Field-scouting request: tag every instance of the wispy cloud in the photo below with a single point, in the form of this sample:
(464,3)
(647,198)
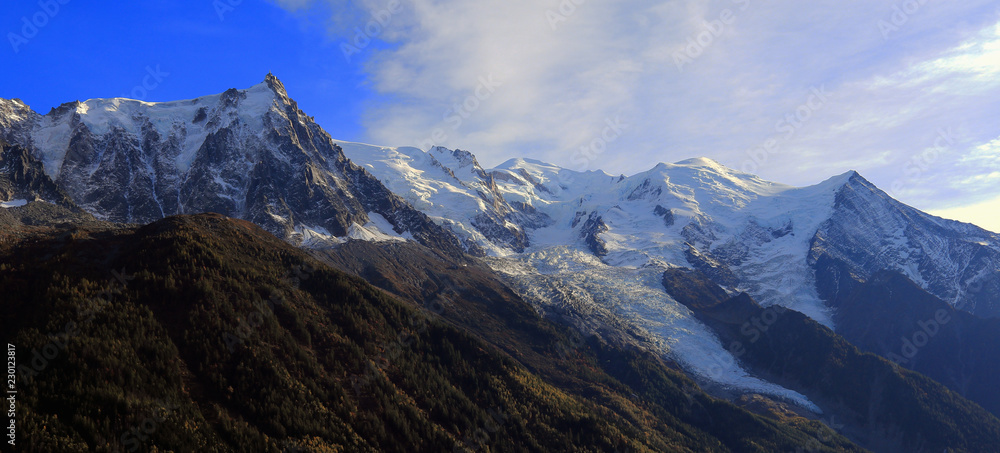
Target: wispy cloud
(696,78)
(987,154)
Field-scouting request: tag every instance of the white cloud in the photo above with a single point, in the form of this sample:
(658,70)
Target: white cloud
(892,97)
(987,154)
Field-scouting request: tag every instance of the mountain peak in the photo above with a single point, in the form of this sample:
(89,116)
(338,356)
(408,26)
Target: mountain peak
(845,177)
(518,161)
(852,177)
(13,101)
(455,159)
(851,180)
(275,85)
(850,174)
(13,111)
(699,162)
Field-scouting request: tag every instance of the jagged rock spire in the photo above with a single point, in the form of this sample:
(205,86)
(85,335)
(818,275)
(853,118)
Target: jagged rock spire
(276,85)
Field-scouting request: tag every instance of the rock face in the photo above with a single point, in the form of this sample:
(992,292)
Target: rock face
(454,189)
(588,240)
(499,222)
(668,215)
(746,233)
(250,154)
(869,232)
(591,234)
(23,178)
(891,316)
(864,393)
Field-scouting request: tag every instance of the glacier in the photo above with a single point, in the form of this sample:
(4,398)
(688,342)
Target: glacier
(552,233)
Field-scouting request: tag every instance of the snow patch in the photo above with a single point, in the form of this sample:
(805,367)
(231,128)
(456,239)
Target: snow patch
(379,224)
(171,120)
(51,139)
(371,232)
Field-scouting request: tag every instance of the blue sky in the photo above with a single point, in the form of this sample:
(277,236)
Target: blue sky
(906,92)
(106,49)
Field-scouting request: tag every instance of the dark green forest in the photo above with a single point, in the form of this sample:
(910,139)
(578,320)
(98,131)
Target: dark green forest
(205,333)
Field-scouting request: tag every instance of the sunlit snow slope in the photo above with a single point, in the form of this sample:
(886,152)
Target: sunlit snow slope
(602,240)
(606,239)
(249,153)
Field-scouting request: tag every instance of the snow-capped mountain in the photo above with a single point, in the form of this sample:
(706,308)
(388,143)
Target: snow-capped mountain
(22,178)
(250,154)
(869,231)
(748,234)
(604,240)
(559,237)
(456,192)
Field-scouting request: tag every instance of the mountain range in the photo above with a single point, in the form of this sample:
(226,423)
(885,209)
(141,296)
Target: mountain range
(692,263)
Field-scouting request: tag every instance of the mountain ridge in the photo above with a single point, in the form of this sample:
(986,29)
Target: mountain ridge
(244,153)
(556,235)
